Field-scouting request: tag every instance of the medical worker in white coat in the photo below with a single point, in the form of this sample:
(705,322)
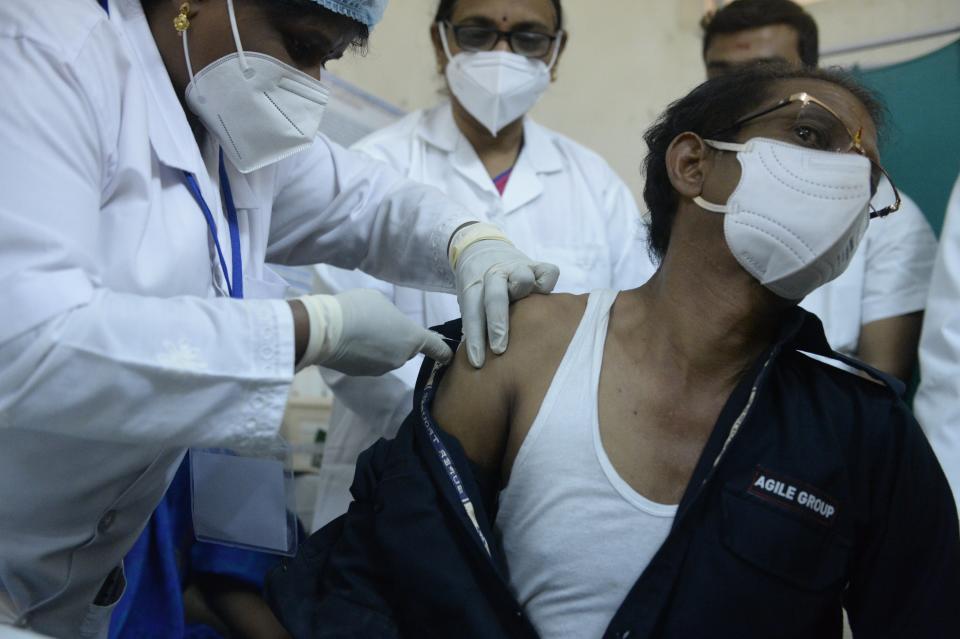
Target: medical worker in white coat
(554,198)
(937,403)
(128,331)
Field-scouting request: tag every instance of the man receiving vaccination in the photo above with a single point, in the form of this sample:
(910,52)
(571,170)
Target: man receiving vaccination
(666,461)
(873,311)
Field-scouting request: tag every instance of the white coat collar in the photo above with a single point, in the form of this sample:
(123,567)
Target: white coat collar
(538,156)
(439,129)
(170,134)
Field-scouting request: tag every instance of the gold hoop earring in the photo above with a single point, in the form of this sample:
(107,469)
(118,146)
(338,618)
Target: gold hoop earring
(182,21)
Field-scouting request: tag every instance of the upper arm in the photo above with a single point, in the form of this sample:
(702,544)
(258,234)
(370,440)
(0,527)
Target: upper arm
(473,405)
(54,123)
(490,410)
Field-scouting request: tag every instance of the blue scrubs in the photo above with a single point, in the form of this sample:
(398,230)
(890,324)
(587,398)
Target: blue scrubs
(163,561)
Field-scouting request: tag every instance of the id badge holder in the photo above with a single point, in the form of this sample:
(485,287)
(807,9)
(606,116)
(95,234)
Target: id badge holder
(245,497)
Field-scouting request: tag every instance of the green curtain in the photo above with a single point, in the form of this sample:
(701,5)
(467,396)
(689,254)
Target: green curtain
(921,149)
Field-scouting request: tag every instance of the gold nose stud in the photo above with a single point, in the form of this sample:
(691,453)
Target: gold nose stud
(182,22)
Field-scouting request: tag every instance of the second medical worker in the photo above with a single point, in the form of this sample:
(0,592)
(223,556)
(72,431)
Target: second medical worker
(154,155)
(554,198)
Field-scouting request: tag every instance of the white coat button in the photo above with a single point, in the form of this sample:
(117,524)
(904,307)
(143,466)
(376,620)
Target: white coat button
(106,522)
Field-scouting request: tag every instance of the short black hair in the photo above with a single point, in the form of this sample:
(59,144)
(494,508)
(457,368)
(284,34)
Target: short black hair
(712,107)
(446,7)
(741,15)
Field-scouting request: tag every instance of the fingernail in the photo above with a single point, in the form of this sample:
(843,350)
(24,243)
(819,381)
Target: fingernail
(475,356)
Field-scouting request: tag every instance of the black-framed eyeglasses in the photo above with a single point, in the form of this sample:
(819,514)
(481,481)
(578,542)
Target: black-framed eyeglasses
(813,124)
(529,44)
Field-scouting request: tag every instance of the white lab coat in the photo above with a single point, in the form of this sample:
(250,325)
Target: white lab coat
(116,353)
(888,276)
(562,202)
(937,403)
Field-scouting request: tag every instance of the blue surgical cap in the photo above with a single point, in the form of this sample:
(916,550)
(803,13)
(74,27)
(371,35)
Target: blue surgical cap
(368,12)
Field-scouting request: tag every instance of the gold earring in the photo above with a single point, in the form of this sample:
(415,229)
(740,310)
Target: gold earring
(182,22)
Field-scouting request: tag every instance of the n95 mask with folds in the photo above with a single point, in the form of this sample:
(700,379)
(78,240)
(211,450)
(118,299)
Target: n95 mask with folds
(260,109)
(797,215)
(496,87)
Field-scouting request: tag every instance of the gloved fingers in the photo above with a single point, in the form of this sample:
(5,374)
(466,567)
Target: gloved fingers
(496,304)
(547,275)
(474,323)
(520,281)
(435,348)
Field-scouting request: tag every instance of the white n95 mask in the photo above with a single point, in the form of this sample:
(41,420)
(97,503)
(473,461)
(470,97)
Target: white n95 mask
(496,87)
(797,215)
(260,109)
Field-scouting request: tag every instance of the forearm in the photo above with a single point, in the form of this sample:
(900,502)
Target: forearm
(176,371)
(890,344)
(342,208)
(242,609)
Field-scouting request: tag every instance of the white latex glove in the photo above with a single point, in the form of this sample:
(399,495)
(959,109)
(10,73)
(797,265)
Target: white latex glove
(360,332)
(491,273)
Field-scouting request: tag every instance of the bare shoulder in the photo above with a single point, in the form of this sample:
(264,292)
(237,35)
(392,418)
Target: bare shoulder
(541,327)
(476,405)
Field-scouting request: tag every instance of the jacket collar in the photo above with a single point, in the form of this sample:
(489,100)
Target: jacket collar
(439,129)
(803,331)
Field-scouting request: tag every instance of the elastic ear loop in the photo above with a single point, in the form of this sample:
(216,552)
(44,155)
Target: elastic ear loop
(186,53)
(443,39)
(556,49)
(720,146)
(236,39)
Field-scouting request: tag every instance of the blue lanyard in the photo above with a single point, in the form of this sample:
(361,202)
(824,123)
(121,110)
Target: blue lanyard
(234,283)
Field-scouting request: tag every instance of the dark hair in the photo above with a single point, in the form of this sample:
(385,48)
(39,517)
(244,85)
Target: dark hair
(713,107)
(446,7)
(285,10)
(741,15)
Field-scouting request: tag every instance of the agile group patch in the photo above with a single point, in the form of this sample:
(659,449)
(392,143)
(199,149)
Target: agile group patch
(795,495)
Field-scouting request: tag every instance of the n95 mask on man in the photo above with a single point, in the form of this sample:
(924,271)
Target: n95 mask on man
(797,215)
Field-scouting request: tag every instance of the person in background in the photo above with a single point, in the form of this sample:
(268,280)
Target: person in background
(666,461)
(554,197)
(874,310)
(937,403)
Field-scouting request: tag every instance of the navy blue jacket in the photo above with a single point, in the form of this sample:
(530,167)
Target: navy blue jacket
(816,491)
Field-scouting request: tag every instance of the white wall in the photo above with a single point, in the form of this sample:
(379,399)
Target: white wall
(626,60)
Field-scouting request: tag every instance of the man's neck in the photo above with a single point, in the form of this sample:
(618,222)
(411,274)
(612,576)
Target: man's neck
(702,321)
(496,153)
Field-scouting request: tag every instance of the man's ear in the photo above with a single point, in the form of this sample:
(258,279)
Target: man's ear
(687,164)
